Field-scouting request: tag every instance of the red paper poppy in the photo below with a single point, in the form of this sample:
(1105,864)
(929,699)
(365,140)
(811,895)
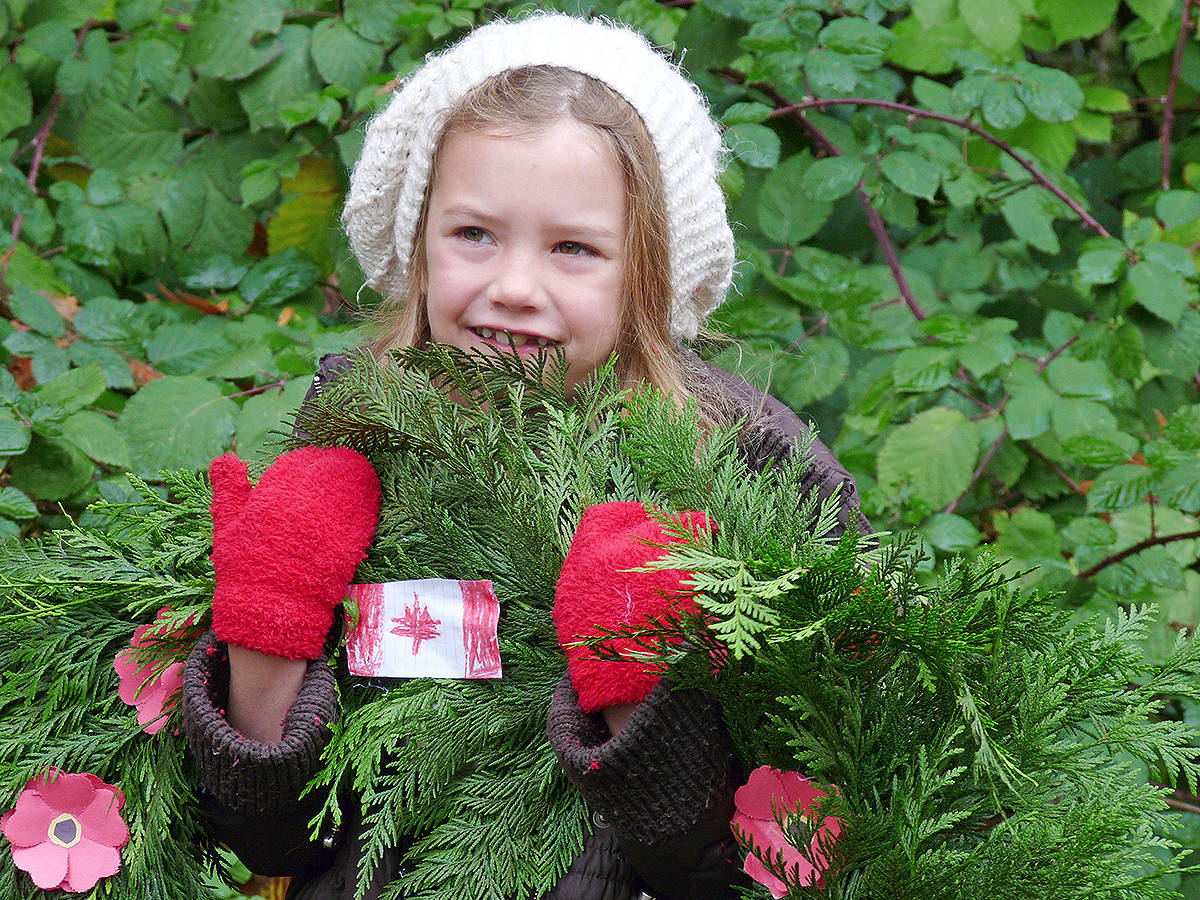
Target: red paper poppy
(154,695)
(66,831)
(771,795)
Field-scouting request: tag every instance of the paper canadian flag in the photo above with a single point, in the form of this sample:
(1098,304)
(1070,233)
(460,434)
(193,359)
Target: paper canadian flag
(432,628)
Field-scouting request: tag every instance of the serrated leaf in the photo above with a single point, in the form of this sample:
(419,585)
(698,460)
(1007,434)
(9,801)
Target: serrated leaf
(987,354)
(376,20)
(97,436)
(1101,266)
(1089,531)
(1030,536)
(15,504)
(342,56)
(996,24)
(1072,377)
(215,270)
(1119,488)
(305,219)
(1001,104)
(200,217)
(16,101)
(183,349)
(290,75)
(279,277)
(912,173)
(231,39)
(923,369)
(32,308)
(176,422)
(74,389)
(1155,12)
(270,411)
(853,35)
(1050,94)
(1027,216)
(756,145)
(50,469)
(114,366)
(14,436)
(1158,289)
(931,458)
(1100,448)
(745,114)
(1183,428)
(1027,413)
(1074,19)
(114,137)
(832,177)
(784,213)
(830,72)
(1179,487)
(951,533)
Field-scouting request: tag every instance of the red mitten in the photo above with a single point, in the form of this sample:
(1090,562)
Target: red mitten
(285,550)
(595,590)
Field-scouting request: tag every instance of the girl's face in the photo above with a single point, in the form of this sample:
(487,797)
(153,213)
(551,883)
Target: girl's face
(525,239)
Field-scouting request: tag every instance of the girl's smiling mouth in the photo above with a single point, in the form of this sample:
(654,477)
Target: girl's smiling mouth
(501,338)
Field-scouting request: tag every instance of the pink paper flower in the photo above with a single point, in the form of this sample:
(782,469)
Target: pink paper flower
(66,831)
(153,695)
(770,795)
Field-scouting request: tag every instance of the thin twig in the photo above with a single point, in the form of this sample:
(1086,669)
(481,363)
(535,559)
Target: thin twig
(1168,121)
(798,109)
(1137,548)
(987,459)
(39,150)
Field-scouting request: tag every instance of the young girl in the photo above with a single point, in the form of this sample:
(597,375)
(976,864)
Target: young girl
(548,183)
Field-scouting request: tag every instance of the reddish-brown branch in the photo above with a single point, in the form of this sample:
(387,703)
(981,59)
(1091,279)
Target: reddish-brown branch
(1168,120)
(39,150)
(1038,176)
(1137,548)
(984,463)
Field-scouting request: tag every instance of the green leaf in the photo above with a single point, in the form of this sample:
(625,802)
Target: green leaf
(1027,413)
(783,215)
(114,137)
(14,435)
(376,20)
(200,216)
(1074,415)
(219,271)
(1050,94)
(291,75)
(231,39)
(97,436)
(996,24)
(931,458)
(951,533)
(1174,348)
(1027,215)
(1074,19)
(342,56)
(270,411)
(1119,488)
(32,308)
(16,505)
(16,102)
(1030,536)
(756,145)
(1180,486)
(1158,289)
(1089,531)
(114,366)
(852,35)
(1183,428)
(183,349)
(1078,378)
(912,173)
(176,422)
(279,277)
(745,114)
(1154,12)
(1102,98)
(50,469)
(830,72)
(1100,448)
(74,389)
(832,177)
(1001,104)
(924,369)
(1101,266)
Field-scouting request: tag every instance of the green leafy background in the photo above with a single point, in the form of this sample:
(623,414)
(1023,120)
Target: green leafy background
(967,239)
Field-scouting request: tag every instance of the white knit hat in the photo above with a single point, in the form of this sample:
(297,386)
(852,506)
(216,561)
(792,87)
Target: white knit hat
(387,187)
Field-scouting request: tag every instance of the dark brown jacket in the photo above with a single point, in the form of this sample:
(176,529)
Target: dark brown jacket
(660,792)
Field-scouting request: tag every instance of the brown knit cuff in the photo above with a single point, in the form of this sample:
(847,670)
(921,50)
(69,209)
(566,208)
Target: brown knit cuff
(243,774)
(665,772)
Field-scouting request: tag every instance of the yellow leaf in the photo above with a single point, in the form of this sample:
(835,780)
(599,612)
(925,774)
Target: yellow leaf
(307,216)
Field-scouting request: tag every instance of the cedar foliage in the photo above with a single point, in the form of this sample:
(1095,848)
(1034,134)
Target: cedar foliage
(970,728)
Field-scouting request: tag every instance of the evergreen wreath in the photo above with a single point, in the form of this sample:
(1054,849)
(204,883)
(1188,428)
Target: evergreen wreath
(970,739)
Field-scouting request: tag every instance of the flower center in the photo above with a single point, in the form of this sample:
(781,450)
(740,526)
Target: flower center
(65,831)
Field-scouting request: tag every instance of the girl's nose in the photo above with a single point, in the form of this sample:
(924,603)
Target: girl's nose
(515,283)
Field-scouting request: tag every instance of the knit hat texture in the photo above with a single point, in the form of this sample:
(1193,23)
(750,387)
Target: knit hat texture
(387,186)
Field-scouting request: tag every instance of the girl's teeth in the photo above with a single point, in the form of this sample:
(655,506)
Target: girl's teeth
(484,332)
(542,342)
(518,340)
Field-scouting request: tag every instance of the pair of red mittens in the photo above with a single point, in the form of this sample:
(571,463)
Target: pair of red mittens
(285,550)
(595,589)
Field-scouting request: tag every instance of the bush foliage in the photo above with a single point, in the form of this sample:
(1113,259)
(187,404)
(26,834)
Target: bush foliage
(967,233)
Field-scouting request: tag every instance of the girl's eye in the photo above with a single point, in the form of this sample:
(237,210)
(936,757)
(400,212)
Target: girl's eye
(472,234)
(574,248)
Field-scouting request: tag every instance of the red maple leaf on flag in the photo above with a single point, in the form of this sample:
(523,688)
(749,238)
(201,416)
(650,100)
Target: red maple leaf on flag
(416,623)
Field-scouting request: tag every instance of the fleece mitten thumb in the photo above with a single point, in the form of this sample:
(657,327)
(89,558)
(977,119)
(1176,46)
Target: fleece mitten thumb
(595,589)
(285,549)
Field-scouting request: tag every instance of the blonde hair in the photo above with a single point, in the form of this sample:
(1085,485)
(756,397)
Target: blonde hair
(531,98)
